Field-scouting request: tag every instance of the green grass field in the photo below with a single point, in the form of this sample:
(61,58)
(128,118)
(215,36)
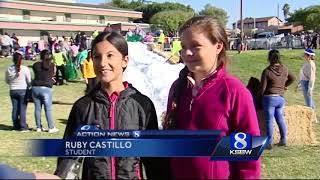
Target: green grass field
(288,162)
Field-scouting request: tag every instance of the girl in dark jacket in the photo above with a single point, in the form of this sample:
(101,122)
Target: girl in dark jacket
(113,104)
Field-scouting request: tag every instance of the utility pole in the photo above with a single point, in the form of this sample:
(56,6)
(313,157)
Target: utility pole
(241,24)
(278,16)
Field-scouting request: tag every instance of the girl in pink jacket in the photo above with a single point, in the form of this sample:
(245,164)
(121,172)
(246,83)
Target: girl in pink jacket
(207,97)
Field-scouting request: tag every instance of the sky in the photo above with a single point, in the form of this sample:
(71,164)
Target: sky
(251,8)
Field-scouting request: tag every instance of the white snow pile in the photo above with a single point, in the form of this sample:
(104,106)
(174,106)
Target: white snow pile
(151,74)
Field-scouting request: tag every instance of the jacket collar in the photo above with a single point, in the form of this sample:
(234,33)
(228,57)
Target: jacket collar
(219,72)
(101,96)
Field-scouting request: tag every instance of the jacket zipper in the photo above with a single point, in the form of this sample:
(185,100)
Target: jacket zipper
(191,102)
(112,127)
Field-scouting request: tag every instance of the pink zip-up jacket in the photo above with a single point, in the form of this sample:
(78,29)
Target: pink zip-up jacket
(222,103)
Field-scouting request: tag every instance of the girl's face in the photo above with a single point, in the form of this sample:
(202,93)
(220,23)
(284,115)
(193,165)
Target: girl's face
(108,62)
(307,57)
(198,53)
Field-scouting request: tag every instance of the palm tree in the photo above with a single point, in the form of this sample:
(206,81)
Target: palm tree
(286,10)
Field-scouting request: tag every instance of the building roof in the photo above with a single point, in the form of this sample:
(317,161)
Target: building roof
(262,19)
(291,26)
(52,26)
(102,6)
(73,8)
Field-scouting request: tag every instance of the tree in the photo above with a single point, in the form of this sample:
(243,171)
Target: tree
(308,17)
(286,10)
(147,9)
(170,21)
(218,13)
(125,4)
(119,3)
(151,9)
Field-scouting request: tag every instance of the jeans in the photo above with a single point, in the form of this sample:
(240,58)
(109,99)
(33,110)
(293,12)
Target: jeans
(19,108)
(308,99)
(62,71)
(42,96)
(273,109)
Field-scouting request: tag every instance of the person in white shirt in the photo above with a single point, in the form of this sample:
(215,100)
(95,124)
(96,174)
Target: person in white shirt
(6,45)
(308,77)
(18,77)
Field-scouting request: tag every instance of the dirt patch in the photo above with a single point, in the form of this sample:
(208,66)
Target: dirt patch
(300,124)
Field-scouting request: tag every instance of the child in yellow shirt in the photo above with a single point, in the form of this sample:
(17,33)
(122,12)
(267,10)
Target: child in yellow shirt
(88,72)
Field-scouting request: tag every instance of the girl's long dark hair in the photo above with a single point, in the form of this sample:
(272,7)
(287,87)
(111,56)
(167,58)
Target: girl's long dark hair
(89,57)
(181,84)
(17,60)
(274,57)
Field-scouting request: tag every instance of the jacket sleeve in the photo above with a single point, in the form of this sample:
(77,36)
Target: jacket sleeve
(28,76)
(312,77)
(7,77)
(155,167)
(291,79)
(243,118)
(64,164)
(84,70)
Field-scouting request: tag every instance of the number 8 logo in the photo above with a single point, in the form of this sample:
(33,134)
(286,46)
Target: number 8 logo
(240,139)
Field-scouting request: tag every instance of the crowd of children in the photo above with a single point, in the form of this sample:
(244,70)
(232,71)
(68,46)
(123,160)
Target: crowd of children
(204,90)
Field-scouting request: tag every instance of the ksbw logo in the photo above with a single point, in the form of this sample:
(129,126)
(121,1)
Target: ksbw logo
(241,144)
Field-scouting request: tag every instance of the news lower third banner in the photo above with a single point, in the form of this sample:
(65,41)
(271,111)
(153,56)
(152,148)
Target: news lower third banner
(89,141)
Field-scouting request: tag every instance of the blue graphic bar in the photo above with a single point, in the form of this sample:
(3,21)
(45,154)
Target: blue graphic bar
(191,147)
(90,141)
(91,131)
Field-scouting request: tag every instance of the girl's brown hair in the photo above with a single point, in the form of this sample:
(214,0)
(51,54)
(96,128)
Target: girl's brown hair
(216,33)
(274,57)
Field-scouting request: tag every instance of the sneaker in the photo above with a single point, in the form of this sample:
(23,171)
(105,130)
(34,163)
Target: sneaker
(39,130)
(282,144)
(24,130)
(53,130)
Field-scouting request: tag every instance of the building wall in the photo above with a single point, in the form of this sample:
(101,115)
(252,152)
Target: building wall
(15,14)
(71,9)
(274,22)
(67,1)
(44,16)
(117,19)
(11,14)
(262,25)
(84,19)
